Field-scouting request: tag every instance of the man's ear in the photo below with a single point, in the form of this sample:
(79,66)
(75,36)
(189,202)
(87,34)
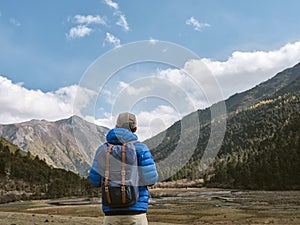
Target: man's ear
(133,130)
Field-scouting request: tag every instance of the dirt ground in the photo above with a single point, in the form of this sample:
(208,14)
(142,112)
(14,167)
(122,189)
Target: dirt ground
(171,206)
(14,218)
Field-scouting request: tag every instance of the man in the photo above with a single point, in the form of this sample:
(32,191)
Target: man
(124,133)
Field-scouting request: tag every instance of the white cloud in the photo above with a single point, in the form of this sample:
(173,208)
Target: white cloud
(122,22)
(79,32)
(152,122)
(182,81)
(112,4)
(85,25)
(132,90)
(111,39)
(244,70)
(149,123)
(108,120)
(19,104)
(89,19)
(196,24)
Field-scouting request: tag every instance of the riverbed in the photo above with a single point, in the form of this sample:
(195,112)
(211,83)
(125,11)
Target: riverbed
(168,206)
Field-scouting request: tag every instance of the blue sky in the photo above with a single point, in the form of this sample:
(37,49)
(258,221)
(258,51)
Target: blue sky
(46,46)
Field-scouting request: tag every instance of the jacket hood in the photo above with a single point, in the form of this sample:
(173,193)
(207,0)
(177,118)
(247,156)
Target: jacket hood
(119,136)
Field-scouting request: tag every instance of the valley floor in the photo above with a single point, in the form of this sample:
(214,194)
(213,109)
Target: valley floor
(169,206)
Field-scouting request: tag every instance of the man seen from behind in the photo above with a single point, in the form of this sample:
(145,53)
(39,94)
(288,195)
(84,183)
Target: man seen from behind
(117,138)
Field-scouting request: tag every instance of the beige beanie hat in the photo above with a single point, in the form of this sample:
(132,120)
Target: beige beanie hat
(126,120)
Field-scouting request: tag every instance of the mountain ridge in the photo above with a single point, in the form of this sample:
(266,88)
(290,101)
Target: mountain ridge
(242,100)
(268,105)
(70,143)
(274,86)
(67,143)
(265,89)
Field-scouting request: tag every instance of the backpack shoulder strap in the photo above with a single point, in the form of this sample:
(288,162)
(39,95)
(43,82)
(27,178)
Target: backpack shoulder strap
(123,174)
(107,173)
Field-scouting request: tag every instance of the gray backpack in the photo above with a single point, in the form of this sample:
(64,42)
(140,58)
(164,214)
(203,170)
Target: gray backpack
(120,184)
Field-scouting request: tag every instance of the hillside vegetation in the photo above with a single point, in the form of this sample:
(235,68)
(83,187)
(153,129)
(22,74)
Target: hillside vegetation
(23,176)
(267,155)
(260,149)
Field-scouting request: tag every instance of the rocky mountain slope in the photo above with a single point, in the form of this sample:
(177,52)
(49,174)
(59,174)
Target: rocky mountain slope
(68,143)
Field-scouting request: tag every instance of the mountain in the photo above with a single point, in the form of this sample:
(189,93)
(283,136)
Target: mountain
(68,143)
(282,83)
(253,116)
(24,177)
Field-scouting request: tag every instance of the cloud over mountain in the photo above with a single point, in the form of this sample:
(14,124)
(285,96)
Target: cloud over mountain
(241,71)
(20,104)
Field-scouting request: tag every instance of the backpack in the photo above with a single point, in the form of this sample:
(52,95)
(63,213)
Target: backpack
(120,184)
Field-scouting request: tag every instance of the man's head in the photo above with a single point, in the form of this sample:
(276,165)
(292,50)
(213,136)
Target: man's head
(127,120)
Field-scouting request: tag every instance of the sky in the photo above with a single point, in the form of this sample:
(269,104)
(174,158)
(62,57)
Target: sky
(46,48)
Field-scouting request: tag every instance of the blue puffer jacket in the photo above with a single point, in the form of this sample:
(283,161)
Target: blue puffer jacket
(149,176)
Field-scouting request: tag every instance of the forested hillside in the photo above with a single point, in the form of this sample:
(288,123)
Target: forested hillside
(261,145)
(23,176)
(267,156)
(285,82)
(260,148)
